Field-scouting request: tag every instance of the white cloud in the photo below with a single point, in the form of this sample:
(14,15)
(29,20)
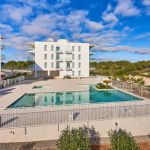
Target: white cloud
(75,25)
(18,42)
(33,3)
(143,36)
(43,25)
(92,25)
(146,2)
(110,17)
(126,8)
(15,13)
(75,20)
(4,28)
(126,48)
(61,3)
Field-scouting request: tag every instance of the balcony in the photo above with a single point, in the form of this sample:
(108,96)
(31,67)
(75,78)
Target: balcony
(68,59)
(68,51)
(31,51)
(59,51)
(68,68)
(59,59)
(59,68)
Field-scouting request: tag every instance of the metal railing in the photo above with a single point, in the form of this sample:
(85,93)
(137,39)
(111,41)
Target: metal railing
(141,91)
(11,118)
(13,81)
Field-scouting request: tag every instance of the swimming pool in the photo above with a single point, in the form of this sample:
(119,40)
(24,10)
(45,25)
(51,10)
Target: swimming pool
(66,98)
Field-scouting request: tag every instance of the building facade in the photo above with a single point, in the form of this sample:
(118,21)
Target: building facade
(61,58)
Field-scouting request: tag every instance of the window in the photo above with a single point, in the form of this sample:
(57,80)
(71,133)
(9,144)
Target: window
(79,65)
(73,65)
(52,47)
(57,65)
(45,65)
(72,56)
(45,56)
(73,48)
(45,47)
(57,48)
(52,65)
(72,73)
(68,65)
(57,56)
(79,73)
(79,57)
(52,56)
(79,48)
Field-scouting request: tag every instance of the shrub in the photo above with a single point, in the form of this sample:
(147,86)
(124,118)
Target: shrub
(77,139)
(107,82)
(121,140)
(103,86)
(73,139)
(67,77)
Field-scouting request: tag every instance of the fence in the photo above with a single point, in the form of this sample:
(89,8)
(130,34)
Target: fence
(8,82)
(141,91)
(42,116)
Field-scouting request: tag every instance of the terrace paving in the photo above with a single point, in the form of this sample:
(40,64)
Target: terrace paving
(46,123)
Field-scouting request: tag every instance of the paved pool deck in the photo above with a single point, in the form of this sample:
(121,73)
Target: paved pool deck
(138,125)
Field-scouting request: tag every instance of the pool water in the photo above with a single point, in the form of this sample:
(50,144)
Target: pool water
(65,98)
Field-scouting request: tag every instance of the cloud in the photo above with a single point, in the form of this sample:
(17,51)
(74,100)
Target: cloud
(146,2)
(18,42)
(126,48)
(4,28)
(143,36)
(92,25)
(126,8)
(15,13)
(61,3)
(110,17)
(43,25)
(75,25)
(41,4)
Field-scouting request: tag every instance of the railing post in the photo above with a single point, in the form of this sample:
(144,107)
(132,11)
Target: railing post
(0,121)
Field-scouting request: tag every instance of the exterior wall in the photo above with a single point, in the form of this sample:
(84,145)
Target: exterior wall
(68,53)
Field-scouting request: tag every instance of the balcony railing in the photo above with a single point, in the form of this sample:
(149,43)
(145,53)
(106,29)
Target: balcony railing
(68,59)
(59,59)
(68,68)
(31,51)
(59,51)
(68,51)
(59,68)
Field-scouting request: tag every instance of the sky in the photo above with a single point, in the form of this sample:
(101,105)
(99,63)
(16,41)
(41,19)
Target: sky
(119,29)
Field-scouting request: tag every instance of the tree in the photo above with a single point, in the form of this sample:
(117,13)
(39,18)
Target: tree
(10,65)
(77,139)
(140,81)
(121,140)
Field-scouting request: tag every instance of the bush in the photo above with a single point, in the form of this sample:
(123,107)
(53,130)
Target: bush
(67,77)
(107,82)
(103,86)
(77,139)
(121,140)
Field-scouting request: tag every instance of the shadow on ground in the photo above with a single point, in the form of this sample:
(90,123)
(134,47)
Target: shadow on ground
(6,91)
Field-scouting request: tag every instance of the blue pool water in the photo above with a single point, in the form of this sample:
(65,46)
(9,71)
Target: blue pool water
(65,98)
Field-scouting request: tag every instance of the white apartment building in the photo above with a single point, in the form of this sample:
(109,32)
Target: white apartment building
(61,58)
